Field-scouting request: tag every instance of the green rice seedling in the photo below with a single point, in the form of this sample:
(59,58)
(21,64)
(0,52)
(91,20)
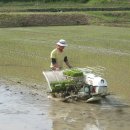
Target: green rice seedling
(73,73)
(59,86)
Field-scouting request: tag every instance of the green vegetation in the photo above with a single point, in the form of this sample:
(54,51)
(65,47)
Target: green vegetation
(56,6)
(61,86)
(24,52)
(108,18)
(41,19)
(64,12)
(74,1)
(73,73)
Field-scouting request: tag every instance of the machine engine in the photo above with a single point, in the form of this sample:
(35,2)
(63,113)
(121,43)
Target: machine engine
(97,84)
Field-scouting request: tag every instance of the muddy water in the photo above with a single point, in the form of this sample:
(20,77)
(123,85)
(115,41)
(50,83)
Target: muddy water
(22,108)
(107,115)
(25,106)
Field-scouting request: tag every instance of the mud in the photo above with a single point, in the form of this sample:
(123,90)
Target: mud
(29,108)
(22,108)
(110,114)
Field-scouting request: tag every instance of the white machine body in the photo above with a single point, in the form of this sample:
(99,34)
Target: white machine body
(98,84)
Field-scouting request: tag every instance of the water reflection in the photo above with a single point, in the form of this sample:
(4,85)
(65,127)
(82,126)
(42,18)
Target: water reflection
(110,114)
(20,109)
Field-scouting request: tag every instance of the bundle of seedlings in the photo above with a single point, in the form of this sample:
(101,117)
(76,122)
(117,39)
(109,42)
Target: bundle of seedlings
(74,74)
(61,86)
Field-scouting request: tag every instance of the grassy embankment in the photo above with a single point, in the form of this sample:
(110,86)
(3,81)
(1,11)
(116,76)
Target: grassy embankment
(19,14)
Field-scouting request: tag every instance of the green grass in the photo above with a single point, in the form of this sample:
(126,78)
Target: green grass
(24,52)
(111,18)
(19,6)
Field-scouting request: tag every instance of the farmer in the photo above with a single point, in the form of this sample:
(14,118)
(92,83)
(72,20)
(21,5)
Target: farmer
(58,56)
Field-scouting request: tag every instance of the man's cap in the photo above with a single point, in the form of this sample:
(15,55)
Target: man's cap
(62,42)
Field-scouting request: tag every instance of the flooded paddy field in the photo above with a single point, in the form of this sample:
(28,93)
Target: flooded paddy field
(24,54)
(22,108)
